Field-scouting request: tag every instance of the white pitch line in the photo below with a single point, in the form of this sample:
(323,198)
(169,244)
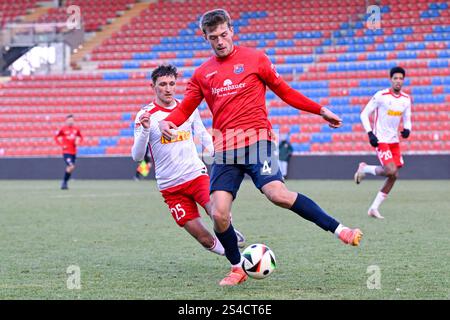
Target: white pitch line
(109,195)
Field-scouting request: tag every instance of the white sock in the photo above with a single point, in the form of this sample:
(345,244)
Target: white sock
(238,265)
(217,247)
(370,170)
(338,230)
(381,196)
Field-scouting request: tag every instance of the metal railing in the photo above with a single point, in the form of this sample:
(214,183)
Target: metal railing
(29,34)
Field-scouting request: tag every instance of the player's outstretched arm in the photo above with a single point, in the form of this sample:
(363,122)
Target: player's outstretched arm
(334,121)
(193,96)
(301,102)
(180,114)
(272,79)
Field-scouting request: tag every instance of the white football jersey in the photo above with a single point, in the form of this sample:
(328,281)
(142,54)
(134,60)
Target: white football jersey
(389,109)
(176,161)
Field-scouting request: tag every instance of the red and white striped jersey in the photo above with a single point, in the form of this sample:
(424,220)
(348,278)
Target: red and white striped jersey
(389,109)
(176,161)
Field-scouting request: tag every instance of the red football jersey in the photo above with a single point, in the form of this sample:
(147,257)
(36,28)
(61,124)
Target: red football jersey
(234,88)
(66,137)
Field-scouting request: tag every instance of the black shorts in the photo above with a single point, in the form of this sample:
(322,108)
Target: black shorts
(259,161)
(69,159)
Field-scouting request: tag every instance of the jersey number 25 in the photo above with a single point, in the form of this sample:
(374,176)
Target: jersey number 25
(178,212)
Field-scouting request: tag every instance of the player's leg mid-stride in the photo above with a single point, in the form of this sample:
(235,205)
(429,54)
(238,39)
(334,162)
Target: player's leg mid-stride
(391,161)
(359,174)
(225,182)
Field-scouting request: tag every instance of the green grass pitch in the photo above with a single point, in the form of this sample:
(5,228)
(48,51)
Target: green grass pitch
(122,237)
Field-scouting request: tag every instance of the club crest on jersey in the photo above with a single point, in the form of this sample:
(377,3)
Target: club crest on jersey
(238,68)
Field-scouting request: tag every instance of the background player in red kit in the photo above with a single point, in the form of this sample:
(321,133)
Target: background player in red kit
(233,83)
(68,138)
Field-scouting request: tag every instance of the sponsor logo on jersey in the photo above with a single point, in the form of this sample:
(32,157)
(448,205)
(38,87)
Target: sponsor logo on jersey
(394,113)
(210,74)
(181,136)
(238,68)
(227,86)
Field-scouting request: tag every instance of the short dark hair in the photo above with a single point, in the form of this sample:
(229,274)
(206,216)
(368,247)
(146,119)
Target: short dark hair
(397,69)
(164,70)
(213,18)
(69,116)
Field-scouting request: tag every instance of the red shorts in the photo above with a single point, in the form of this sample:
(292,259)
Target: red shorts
(182,199)
(390,153)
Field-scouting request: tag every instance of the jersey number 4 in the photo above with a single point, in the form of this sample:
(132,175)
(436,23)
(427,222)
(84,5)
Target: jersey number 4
(266,169)
(178,212)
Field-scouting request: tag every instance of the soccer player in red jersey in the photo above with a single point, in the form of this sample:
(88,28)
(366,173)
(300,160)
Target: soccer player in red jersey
(233,82)
(68,138)
(390,106)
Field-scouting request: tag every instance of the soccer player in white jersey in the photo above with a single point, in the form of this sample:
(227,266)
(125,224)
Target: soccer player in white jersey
(390,107)
(181,176)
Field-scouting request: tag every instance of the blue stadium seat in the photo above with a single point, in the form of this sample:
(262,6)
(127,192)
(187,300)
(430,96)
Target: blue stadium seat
(126,117)
(422,90)
(108,142)
(433,6)
(444,54)
(185,54)
(131,65)
(406,55)
(346,128)
(295,129)
(321,138)
(301,147)
(207,122)
(126,133)
(438,63)
(198,62)
(188,73)
(115,76)
(326,128)
(145,55)
(340,101)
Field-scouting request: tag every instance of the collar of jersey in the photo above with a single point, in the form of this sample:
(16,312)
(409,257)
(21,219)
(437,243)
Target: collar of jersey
(397,96)
(166,109)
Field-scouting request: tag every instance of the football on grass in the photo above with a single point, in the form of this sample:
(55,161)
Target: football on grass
(258,261)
